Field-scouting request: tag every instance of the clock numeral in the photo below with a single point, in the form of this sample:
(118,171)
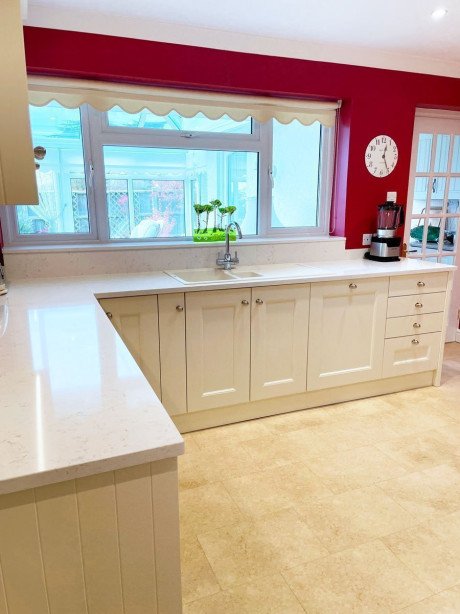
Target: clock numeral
(394,148)
(384,139)
(368,155)
(373,148)
(377,141)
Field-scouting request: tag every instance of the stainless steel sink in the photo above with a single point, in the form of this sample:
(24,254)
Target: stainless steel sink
(209,276)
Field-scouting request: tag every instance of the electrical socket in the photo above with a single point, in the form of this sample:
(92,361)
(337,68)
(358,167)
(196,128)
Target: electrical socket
(367,239)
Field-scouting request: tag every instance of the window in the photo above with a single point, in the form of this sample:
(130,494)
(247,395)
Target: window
(117,176)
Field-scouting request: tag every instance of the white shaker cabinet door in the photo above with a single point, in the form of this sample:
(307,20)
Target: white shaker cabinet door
(279,337)
(171,310)
(18,184)
(347,332)
(135,318)
(218,348)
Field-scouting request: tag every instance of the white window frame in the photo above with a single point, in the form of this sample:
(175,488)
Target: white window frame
(97,133)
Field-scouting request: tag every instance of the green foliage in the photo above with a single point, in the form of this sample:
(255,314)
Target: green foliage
(213,206)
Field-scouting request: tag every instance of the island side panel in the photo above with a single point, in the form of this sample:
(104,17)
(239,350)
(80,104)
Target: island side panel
(103,543)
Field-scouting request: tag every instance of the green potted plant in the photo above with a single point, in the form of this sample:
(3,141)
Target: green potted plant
(202,232)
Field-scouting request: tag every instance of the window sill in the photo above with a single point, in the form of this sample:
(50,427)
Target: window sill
(143,245)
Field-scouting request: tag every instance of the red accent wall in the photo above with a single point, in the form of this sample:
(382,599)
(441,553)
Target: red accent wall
(375,101)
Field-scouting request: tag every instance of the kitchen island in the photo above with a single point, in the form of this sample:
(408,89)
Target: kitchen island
(88,474)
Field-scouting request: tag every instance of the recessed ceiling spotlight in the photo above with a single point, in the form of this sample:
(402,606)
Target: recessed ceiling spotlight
(439,14)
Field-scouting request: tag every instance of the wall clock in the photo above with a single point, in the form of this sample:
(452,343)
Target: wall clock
(381,156)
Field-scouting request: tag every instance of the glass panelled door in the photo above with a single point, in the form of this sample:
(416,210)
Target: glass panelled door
(433,210)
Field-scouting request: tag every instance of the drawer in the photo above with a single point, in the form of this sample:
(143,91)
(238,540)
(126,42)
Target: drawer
(415,354)
(418,284)
(415,303)
(412,325)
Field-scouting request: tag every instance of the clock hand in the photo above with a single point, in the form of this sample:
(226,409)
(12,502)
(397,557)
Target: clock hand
(384,159)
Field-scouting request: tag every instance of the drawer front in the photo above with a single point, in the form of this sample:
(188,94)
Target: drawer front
(415,304)
(414,354)
(418,284)
(414,325)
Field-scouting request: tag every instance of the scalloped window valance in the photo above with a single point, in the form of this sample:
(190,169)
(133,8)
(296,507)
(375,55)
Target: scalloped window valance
(103,96)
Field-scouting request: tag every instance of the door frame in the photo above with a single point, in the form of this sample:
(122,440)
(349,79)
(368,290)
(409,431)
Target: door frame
(430,121)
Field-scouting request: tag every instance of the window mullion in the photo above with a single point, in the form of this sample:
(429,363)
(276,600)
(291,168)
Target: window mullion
(265,177)
(95,142)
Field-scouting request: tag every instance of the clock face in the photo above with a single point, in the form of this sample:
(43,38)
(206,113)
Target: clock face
(381,156)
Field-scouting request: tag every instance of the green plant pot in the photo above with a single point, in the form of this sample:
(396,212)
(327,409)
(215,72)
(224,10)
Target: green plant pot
(211,236)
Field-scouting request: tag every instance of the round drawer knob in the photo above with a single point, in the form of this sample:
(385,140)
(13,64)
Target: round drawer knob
(418,305)
(421,284)
(416,325)
(415,342)
(244,302)
(179,308)
(109,315)
(259,301)
(352,286)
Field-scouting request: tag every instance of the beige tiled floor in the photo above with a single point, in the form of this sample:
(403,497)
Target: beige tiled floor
(347,508)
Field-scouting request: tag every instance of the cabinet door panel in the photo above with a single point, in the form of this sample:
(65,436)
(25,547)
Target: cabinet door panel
(18,186)
(218,348)
(136,320)
(418,284)
(415,354)
(415,304)
(279,336)
(171,311)
(347,332)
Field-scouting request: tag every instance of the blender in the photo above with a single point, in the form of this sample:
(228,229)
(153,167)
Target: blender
(385,245)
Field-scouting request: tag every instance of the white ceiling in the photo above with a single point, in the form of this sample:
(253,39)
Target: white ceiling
(393,33)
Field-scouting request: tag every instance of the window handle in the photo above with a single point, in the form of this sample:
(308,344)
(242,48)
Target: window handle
(271,176)
(90,174)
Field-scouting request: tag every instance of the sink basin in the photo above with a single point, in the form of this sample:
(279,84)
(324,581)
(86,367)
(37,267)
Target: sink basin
(245,274)
(207,276)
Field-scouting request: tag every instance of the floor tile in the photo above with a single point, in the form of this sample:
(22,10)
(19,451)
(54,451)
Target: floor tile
(354,517)
(446,602)
(241,552)
(198,579)
(275,489)
(420,450)
(230,434)
(431,550)
(209,465)
(356,468)
(426,493)
(269,595)
(288,447)
(205,508)
(367,579)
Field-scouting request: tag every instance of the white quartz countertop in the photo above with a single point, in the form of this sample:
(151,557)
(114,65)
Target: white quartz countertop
(72,400)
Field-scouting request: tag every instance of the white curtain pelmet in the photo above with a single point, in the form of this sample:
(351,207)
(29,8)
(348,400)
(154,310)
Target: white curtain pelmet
(72,93)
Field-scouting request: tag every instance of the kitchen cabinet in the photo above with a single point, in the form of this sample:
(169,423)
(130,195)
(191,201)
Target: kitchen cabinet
(218,348)
(279,336)
(171,315)
(415,320)
(347,332)
(136,320)
(18,183)
(411,354)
